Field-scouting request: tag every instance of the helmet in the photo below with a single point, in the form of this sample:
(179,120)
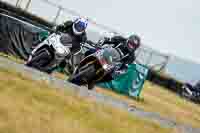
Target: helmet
(79,26)
(133,42)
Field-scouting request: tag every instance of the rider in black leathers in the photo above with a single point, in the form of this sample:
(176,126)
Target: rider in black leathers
(126,47)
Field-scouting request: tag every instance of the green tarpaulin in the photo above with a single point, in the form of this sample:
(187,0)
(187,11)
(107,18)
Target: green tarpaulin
(129,83)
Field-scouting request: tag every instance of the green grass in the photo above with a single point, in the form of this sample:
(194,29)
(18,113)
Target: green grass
(35,107)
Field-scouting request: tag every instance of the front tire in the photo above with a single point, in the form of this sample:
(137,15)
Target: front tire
(40,60)
(83,76)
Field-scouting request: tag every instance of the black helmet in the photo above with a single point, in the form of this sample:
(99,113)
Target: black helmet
(133,42)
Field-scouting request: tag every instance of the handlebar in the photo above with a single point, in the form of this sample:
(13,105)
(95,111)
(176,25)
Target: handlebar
(91,45)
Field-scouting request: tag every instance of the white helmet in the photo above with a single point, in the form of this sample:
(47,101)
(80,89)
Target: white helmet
(79,26)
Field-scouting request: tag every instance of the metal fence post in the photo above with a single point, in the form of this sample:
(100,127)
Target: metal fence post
(166,62)
(150,58)
(18,3)
(27,5)
(57,15)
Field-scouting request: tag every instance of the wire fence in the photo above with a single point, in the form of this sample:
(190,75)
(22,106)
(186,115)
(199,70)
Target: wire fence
(57,14)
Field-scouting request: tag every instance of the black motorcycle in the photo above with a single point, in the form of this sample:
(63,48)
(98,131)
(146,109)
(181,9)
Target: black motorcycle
(191,92)
(95,66)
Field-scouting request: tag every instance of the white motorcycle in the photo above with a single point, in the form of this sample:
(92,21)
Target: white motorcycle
(51,52)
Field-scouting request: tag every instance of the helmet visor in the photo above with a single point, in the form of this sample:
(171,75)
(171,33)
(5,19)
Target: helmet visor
(133,44)
(80,26)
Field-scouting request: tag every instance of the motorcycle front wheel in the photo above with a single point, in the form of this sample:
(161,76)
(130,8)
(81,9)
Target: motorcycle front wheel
(84,75)
(40,60)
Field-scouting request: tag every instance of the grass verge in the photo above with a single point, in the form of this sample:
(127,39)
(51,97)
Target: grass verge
(30,106)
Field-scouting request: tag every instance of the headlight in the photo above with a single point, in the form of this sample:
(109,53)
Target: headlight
(105,66)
